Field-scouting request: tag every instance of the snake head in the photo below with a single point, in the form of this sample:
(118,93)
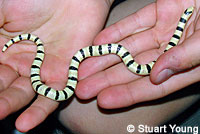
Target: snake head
(189,11)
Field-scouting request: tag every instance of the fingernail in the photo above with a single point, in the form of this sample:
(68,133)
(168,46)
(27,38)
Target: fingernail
(164,75)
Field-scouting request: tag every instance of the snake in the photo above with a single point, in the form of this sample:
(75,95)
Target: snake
(89,51)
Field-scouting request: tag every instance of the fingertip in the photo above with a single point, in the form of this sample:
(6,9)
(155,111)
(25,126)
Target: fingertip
(155,73)
(24,122)
(30,119)
(162,76)
(104,100)
(82,91)
(167,64)
(91,86)
(158,69)
(113,98)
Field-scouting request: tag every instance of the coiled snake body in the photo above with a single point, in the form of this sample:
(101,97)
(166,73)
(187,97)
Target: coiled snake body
(86,52)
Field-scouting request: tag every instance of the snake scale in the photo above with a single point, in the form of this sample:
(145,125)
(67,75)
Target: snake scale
(86,52)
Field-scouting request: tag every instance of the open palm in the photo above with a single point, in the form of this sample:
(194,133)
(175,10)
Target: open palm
(64,28)
(145,34)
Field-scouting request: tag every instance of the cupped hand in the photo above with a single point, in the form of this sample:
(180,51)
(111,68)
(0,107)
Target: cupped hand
(145,34)
(64,27)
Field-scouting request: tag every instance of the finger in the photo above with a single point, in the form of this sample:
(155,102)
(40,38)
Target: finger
(177,59)
(35,114)
(135,44)
(91,86)
(7,76)
(139,21)
(18,95)
(143,90)
(38,111)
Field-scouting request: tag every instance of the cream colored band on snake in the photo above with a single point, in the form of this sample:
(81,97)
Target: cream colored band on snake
(86,52)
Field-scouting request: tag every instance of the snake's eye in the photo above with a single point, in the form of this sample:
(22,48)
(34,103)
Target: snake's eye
(189,10)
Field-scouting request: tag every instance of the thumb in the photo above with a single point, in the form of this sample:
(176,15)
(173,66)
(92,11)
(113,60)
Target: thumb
(177,59)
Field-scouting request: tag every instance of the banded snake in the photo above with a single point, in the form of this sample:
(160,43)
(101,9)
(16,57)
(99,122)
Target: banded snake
(86,52)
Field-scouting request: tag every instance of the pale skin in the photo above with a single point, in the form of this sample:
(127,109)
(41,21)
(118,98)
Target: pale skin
(16,91)
(67,33)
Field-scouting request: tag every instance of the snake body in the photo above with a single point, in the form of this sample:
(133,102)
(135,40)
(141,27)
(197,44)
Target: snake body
(86,52)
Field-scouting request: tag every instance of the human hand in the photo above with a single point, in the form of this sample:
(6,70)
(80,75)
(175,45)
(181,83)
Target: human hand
(142,33)
(64,28)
